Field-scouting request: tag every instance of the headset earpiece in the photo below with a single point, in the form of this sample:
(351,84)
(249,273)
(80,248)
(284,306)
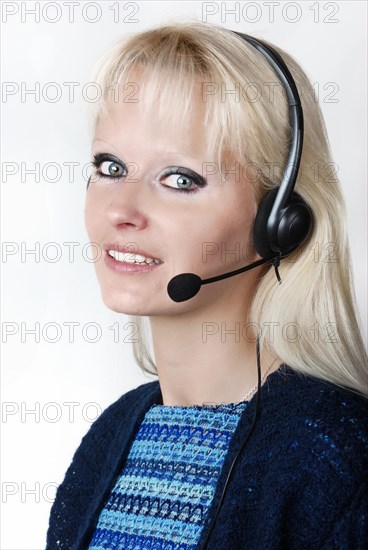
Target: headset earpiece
(260,239)
(291,230)
(277,234)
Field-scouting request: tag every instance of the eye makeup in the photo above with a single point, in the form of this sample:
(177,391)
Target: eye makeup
(198,180)
(100,158)
(184,173)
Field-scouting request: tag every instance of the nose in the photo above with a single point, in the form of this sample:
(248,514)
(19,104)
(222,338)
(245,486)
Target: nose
(128,204)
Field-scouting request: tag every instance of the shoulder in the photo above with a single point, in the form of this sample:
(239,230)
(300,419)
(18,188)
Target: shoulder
(329,413)
(133,402)
(114,425)
(318,436)
(333,423)
(318,432)
(315,406)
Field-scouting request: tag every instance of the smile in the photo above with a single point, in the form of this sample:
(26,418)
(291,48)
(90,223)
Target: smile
(129,257)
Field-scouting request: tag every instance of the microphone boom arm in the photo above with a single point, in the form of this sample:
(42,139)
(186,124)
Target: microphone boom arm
(240,270)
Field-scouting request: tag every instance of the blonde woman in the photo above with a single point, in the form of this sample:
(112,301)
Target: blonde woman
(210,455)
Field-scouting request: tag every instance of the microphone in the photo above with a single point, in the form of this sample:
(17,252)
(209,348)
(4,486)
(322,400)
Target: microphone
(184,286)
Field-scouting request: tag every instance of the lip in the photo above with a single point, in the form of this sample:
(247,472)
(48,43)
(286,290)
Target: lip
(127,249)
(125,267)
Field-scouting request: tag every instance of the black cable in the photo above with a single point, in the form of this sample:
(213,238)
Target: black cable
(276,263)
(242,446)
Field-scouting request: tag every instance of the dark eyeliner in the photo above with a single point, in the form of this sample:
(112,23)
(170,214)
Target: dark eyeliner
(198,180)
(99,158)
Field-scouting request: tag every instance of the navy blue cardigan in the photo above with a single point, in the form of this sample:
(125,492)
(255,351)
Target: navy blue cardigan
(301,481)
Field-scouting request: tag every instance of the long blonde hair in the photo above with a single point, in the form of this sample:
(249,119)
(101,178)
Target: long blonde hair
(314,308)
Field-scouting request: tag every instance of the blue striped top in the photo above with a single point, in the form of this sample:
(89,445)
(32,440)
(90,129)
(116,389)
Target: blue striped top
(164,491)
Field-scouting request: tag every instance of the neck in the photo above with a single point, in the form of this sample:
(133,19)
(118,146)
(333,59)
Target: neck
(204,357)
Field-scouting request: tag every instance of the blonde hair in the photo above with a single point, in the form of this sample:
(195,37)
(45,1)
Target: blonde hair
(317,295)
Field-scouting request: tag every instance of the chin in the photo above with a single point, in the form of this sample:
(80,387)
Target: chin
(118,304)
(125,304)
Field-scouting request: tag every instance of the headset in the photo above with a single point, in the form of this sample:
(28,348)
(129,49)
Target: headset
(284,219)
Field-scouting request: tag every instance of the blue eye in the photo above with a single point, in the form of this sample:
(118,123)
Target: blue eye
(184,181)
(108,166)
(114,169)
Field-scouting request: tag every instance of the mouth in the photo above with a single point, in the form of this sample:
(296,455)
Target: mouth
(126,255)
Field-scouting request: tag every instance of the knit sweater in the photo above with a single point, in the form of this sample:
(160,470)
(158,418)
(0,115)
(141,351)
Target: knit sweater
(301,481)
(167,485)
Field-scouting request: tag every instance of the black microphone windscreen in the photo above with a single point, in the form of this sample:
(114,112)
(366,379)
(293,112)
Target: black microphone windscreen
(184,286)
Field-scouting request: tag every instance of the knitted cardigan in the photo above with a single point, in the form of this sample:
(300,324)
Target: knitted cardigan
(301,481)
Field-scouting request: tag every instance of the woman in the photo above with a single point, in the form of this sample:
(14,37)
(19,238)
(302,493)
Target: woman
(186,146)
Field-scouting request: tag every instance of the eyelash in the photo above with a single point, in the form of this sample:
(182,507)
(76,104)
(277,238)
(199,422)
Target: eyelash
(99,158)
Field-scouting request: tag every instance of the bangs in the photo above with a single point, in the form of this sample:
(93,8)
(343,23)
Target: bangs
(171,97)
(176,71)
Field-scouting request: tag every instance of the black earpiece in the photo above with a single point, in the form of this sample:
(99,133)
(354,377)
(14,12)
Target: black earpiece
(294,223)
(284,219)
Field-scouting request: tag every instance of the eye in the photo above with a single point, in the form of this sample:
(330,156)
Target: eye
(183,180)
(107,166)
(112,168)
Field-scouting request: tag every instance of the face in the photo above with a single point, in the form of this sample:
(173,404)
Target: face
(150,192)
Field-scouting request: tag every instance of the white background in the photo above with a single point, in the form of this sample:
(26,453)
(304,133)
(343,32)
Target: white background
(43,375)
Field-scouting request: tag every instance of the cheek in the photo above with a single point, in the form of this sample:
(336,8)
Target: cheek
(228,226)
(95,230)
(90,216)
(228,236)
(211,240)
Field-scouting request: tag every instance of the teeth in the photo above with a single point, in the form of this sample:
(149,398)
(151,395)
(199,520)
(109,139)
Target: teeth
(131,258)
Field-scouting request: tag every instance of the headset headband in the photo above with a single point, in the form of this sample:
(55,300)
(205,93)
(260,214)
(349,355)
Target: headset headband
(288,181)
